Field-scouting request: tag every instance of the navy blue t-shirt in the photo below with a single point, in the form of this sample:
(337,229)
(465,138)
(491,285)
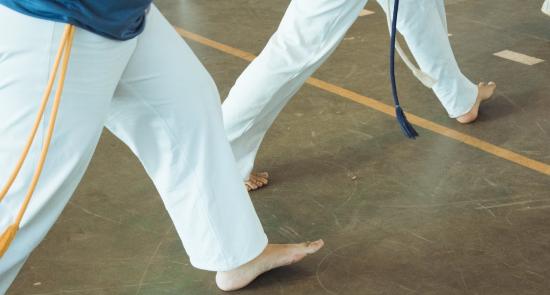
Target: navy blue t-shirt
(115,19)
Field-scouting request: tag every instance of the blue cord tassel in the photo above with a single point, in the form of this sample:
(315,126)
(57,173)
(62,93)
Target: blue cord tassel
(406,127)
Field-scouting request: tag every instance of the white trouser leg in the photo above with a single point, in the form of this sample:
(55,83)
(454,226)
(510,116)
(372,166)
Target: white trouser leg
(27,51)
(309,32)
(546,7)
(424,26)
(167,110)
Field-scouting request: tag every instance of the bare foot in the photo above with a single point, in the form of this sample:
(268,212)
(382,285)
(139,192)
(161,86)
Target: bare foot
(485,91)
(274,255)
(256,181)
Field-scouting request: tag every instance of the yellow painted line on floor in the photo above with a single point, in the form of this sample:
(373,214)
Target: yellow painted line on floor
(216,45)
(389,110)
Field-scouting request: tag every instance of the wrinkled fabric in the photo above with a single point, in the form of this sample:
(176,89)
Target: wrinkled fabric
(154,95)
(119,20)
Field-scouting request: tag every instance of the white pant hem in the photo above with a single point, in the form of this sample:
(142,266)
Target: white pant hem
(232,262)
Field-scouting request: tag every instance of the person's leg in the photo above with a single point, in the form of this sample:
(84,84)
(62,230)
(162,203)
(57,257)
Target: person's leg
(27,50)
(546,7)
(167,110)
(309,32)
(424,26)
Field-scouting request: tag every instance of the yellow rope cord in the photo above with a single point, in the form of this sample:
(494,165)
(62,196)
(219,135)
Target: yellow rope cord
(63,54)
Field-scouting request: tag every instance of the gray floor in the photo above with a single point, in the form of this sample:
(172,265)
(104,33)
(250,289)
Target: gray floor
(431,216)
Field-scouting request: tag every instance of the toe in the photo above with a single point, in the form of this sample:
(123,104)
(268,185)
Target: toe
(251,185)
(258,183)
(492,86)
(262,177)
(488,90)
(262,181)
(255,180)
(312,247)
(263,174)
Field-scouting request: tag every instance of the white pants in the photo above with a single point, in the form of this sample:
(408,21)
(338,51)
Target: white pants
(153,94)
(546,7)
(307,35)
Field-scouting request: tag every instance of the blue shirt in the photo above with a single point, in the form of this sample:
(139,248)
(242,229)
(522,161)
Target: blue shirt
(115,19)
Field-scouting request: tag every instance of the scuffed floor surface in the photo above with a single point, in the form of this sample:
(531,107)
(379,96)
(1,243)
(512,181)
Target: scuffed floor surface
(431,216)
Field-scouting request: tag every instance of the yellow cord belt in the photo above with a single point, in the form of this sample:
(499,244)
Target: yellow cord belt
(62,57)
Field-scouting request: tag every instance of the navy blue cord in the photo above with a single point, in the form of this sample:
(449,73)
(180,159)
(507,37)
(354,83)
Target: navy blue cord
(406,127)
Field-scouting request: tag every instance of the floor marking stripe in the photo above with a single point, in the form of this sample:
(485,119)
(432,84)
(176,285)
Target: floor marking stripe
(216,45)
(389,110)
(518,57)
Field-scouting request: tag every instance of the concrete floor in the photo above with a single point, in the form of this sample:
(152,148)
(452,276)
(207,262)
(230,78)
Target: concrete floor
(431,216)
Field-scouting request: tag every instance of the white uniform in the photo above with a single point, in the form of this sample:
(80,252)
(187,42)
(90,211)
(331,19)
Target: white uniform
(153,94)
(307,35)
(546,7)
